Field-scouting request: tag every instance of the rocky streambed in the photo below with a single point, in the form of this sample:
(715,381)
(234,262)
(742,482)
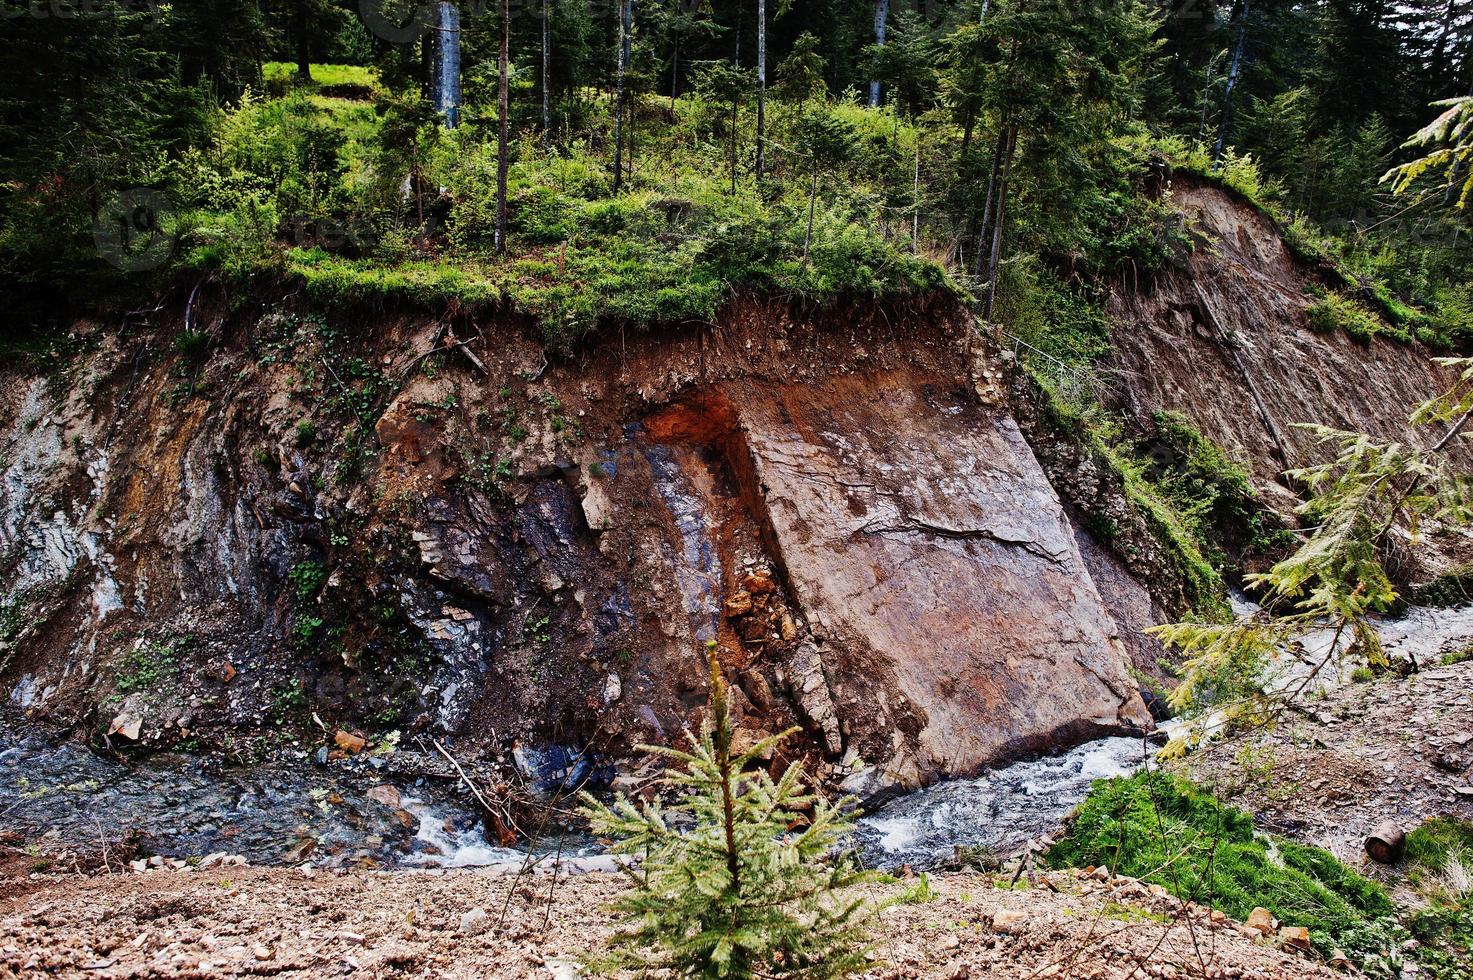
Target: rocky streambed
(373,811)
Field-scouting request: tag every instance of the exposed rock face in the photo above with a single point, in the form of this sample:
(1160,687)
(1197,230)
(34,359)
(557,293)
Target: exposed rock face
(935,566)
(319,520)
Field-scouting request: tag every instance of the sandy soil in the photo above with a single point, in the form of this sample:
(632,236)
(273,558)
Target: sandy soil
(231,922)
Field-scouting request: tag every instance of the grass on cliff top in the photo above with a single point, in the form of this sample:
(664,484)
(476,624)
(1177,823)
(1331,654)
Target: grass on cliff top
(314,187)
(1164,830)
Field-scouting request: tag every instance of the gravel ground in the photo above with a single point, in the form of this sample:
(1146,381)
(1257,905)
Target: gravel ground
(1390,749)
(230,922)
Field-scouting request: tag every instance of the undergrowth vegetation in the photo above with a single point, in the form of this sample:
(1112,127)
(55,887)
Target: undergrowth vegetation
(1166,831)
(311,186)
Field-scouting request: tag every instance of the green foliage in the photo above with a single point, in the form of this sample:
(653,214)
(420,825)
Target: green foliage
(1335,579)
(919,893)
(1167,831)
(1449,143)
(1336,311)
(148,665)
(1435,840)
(734,880)
(306,578)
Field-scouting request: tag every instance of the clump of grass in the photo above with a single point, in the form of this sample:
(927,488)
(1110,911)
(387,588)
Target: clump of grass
(919,893)
(1434,842)
(1167,831)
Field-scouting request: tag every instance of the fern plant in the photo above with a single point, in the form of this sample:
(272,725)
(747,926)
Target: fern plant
(737,878)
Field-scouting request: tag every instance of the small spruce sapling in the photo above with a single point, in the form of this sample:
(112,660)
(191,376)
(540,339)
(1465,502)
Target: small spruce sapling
(734,879)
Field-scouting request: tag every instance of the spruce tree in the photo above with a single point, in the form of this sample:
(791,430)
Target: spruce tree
(736,878)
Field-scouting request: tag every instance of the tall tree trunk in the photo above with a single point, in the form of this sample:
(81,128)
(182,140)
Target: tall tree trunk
(882,14)
(675,70)
(503,111)
(447,75)
(812,199)
(735,105)
(1235,68)
(761,87)
(1206,97)
(915,195)
(994,263)
(304,48)
(983,236)
(626,16)
(546,71)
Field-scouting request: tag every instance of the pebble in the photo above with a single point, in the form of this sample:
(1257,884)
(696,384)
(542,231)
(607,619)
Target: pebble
(474,922)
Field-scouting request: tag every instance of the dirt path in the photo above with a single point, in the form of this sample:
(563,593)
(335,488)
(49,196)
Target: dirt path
(1393,749)
(279,922)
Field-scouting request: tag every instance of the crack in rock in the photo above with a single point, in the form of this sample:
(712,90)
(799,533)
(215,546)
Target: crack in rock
(913,526)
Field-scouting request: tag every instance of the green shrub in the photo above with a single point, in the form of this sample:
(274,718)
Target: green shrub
(1336,311)
(1167,831)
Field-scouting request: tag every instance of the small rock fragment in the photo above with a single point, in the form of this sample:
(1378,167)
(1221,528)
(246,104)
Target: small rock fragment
(1009,922)
(474,922)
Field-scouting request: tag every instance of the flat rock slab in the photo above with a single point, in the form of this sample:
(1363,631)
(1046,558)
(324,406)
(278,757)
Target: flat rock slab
(956,621)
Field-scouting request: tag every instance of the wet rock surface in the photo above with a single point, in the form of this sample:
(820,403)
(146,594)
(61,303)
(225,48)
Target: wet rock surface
(999,811)
(401,809)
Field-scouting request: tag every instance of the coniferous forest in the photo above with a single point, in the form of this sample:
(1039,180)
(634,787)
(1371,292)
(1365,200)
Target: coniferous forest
(820,149)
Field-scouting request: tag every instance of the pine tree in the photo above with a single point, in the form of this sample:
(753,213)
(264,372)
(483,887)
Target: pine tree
(749,887)
(1448,140)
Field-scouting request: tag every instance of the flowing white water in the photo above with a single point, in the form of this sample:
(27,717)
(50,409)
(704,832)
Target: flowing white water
(1001,809)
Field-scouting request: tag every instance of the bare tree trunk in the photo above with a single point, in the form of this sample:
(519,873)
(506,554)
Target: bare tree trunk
(735,105)
(1235,69)
(675,71)
(626,16)
(546,71)
(812,198)
(503,111)
(1206,97)
(761,88)
(447,80)
(915,196)
(994,264)
(982,232)
(882,14)
(304,50)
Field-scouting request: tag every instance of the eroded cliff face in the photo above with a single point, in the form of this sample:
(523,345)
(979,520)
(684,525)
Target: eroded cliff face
(1223,338)
(312,523)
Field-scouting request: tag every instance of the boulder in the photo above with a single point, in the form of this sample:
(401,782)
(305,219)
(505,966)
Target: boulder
(963,628)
